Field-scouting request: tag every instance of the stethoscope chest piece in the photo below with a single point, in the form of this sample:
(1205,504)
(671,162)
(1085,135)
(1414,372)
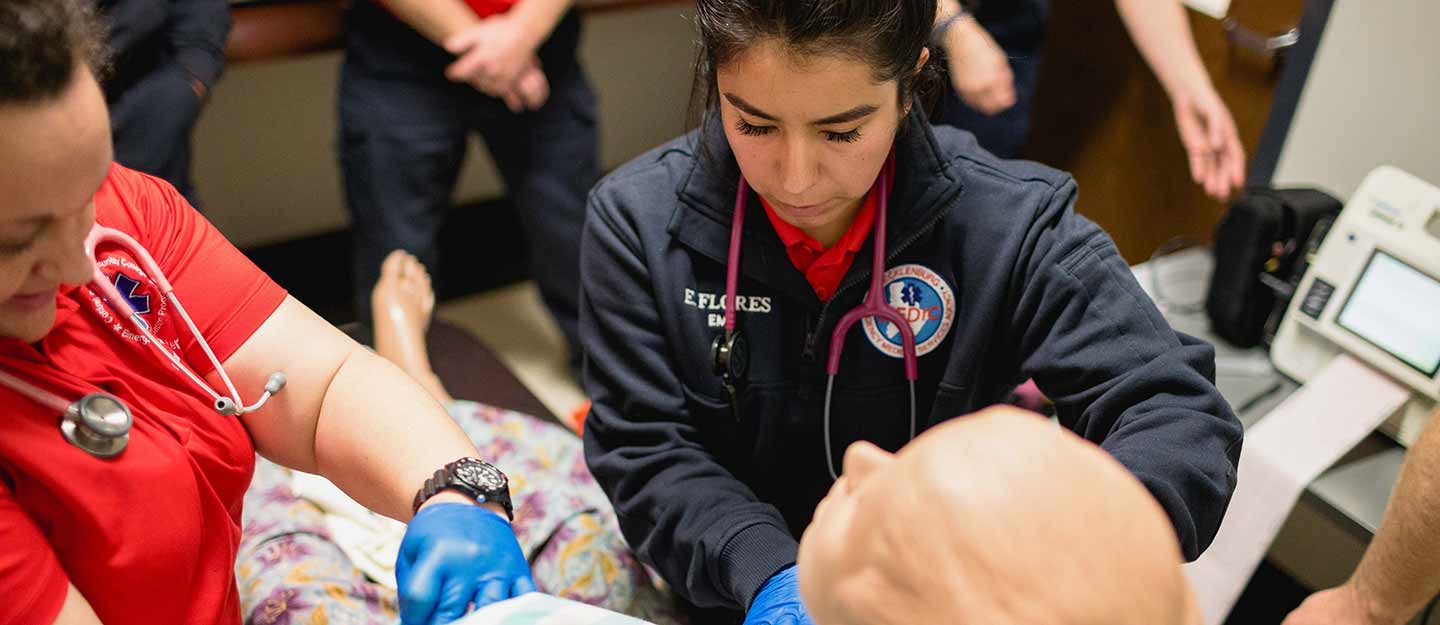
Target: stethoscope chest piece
(731,353)
(99,424)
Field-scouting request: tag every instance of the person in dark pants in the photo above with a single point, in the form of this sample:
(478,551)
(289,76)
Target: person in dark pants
(982,98)
(992,51)
(165,58)
(507,71)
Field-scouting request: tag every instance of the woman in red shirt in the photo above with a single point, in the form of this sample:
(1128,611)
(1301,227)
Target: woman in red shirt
(144,529)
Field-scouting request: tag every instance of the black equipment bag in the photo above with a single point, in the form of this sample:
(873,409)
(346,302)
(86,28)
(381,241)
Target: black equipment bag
(1262,247)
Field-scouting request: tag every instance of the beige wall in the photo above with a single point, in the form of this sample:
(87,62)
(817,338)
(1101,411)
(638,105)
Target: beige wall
(264,151)
(1372,98)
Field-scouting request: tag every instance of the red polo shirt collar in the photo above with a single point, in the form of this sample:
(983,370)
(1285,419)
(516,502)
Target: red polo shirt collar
(824,268)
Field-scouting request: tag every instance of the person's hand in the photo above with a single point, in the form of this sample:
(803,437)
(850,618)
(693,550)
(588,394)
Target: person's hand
(1217,160)
(1341,605)
(453,555)
(778,602)
(199,88)
(530,91)
(492,54)
(979,70)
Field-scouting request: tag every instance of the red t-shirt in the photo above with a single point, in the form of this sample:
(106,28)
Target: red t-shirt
(824,268)
(482,8)
(486,8)
(148,537)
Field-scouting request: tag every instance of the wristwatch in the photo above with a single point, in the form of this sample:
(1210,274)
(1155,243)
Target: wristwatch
(473,478)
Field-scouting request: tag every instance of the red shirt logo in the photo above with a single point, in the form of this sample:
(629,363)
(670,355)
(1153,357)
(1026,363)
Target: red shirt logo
(142,297)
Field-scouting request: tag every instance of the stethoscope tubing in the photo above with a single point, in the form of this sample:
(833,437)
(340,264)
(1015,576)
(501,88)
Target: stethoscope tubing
(98,234)
(229,405)
(72,416)
(829,452)
(873,305)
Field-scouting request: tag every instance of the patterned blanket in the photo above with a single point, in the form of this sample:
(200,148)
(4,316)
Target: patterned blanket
(291,572)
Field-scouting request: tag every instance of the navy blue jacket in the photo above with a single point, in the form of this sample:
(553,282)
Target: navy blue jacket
(716,505)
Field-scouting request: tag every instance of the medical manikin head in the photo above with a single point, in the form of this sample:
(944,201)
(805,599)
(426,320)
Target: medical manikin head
(997,518)
(54,153)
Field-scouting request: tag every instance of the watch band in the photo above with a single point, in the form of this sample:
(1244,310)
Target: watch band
(937,33)
(474,478)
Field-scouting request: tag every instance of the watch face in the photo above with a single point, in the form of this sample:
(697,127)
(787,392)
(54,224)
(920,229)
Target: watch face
(483,476)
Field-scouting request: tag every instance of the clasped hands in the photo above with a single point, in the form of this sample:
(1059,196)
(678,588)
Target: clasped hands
(498,58)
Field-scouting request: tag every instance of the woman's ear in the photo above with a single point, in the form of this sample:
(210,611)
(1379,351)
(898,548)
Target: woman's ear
(919,66)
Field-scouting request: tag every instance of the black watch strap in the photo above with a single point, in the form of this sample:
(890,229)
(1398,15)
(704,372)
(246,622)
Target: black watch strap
(474,478)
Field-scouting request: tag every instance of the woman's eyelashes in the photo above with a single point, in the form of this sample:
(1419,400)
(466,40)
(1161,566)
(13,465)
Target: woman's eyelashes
(8,249)
(751,130)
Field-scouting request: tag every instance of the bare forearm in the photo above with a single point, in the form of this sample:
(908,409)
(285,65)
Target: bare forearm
(1401,569)
(345,413)
(379,435)
(440,20)
(538,17)
(437,20)
(946,8)
(1161,31)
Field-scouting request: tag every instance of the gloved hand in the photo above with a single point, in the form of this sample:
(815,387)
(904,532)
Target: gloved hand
(454,554)
(778,602)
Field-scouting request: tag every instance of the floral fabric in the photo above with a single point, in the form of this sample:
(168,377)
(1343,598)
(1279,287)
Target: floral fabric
(291,573)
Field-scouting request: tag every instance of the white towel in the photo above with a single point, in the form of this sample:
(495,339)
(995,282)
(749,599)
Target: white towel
(370,540)
(537,609)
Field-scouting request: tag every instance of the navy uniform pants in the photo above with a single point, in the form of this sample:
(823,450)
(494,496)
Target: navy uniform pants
(403,134)
(151,120)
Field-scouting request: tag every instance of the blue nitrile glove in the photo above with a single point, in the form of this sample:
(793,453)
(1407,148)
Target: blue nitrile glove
(778,602)
(454,554)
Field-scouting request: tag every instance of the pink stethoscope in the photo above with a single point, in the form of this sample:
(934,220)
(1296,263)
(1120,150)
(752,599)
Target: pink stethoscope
(99,423)
(730,351)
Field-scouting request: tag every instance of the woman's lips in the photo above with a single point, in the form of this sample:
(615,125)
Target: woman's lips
(803,208)
(31,301)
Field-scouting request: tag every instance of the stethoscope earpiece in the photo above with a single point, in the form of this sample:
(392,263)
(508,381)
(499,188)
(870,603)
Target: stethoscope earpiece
(226,407)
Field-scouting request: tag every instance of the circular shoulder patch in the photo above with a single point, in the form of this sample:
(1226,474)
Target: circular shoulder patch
(924,300)
(142,296)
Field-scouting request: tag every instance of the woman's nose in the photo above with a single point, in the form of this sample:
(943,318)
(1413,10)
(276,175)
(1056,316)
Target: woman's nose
(798,168)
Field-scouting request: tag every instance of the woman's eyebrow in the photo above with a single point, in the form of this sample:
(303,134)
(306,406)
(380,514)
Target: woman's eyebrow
(838,118)
(848,116)
(748,108)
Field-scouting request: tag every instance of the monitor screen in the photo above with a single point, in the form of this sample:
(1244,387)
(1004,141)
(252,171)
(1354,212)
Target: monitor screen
(1397,308)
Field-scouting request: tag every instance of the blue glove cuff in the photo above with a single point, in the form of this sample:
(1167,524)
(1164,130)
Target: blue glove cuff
(783,578)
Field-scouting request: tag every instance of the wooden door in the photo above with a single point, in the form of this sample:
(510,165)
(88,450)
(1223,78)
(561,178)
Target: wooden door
(1101,115)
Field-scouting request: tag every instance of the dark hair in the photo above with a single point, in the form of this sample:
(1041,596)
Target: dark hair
(40,43)
(888,35)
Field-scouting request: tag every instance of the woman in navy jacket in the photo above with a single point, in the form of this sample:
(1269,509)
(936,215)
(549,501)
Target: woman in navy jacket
(999,279)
